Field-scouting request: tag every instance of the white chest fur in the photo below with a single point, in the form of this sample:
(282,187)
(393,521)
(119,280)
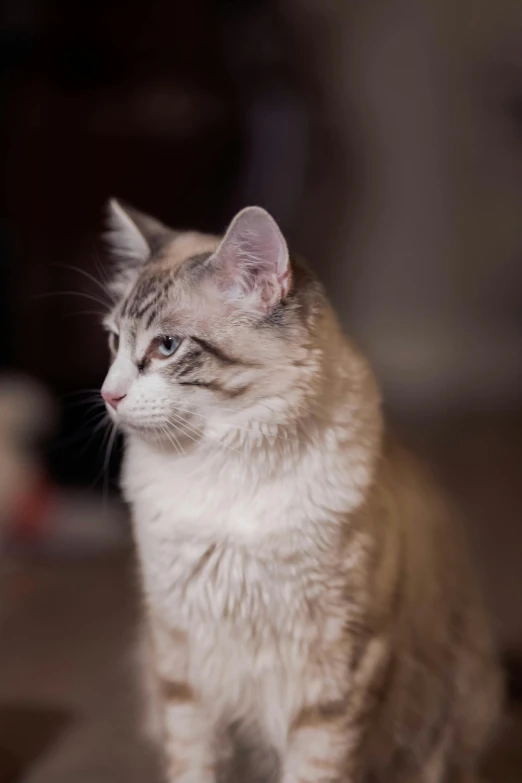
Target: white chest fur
(234,563)
(210,536)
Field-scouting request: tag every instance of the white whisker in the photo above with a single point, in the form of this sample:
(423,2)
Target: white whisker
(107,460)
(92,297)
(97,313)
(102,423)
(76,393)
(186,429)
(249,430)
(94,279)
(171,437)
(181,423)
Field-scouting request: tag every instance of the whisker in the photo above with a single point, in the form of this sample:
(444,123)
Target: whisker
(92,297)
(87,403)
(186,429)
(103,446)
(97,313)
(250,431)
(104,421)
(174,442)
(89,277)
(190,427)
(95,416)
(79,391)
(100,268)
(170,437)
(181,423)
(78,436)
(107,461)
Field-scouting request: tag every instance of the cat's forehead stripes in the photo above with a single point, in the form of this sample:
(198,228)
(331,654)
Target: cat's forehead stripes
(186,252)
(150,291)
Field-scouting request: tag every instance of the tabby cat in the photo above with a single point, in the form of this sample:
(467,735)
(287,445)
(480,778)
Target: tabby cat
(310,609)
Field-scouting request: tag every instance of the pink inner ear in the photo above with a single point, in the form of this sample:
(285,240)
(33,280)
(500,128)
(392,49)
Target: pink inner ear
(254,258)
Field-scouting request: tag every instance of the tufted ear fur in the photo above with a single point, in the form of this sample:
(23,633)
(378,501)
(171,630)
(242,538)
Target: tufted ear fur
(132,237)
(252,261)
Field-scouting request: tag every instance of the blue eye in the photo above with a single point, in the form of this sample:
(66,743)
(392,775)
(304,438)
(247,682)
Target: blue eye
(114,342)
(168,345)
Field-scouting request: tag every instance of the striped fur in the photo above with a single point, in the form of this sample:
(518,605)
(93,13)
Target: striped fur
(311,612)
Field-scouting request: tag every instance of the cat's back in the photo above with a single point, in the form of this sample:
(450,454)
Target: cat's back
(442,661)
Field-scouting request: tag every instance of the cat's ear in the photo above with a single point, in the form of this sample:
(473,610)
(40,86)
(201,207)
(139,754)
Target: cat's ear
(132,237)
(132,234)
(252,261)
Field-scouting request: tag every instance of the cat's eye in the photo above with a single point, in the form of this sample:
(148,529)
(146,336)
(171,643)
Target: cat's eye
(114,342)
(167,345)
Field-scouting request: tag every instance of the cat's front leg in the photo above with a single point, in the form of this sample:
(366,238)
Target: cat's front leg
(188,738)
(326,739)
(321,747)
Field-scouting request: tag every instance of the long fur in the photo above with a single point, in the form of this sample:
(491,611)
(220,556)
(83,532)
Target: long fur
(309,604)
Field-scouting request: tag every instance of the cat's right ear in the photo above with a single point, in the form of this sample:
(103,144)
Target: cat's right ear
(132,237)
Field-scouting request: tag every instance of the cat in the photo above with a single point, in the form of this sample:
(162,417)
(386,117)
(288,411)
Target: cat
(308,596)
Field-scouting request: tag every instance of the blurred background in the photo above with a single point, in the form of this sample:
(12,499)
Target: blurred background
(386,138)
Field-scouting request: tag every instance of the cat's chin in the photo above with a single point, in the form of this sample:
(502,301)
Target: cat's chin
(159,434)
(145,429)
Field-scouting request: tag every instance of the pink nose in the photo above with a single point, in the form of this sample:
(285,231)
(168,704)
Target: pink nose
(112,399)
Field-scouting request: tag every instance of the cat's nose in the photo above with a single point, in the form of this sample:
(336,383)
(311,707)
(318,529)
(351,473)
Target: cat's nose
(113,399)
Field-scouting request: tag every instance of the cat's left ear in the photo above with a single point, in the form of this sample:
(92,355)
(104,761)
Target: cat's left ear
(252,261)
(133,235)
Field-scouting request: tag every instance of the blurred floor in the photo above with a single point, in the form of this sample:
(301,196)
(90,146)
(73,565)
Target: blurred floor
(67,631)
(67,709)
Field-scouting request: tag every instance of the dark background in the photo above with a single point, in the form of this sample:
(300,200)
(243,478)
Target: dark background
(187,110)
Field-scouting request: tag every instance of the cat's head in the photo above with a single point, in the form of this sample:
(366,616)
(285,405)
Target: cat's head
(207,332)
